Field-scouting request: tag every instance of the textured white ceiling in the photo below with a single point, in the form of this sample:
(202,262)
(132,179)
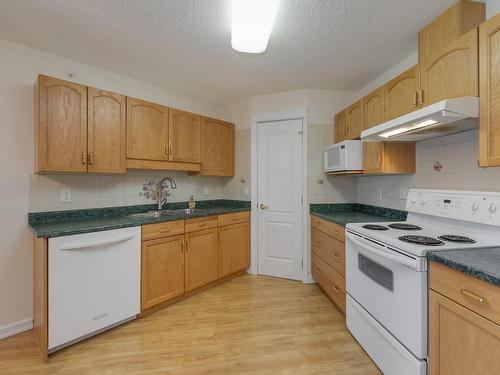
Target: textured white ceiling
(185,44)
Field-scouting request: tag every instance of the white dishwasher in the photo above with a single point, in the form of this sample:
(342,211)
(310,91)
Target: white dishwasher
(94,283)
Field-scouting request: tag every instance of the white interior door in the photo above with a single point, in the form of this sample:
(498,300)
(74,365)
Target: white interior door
(279,194)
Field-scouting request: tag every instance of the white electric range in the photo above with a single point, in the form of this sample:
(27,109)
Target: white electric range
(386,271)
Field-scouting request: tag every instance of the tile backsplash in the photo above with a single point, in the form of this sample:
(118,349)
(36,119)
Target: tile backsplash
(322,188)
(93,190)
(457,157)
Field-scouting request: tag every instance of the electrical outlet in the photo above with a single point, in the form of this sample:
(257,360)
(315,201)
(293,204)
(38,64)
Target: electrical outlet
(403,193)
(206,190)
(65,195)
(379,194)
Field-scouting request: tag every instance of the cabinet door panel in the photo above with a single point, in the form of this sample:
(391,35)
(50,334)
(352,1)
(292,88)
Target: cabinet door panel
(106,131)
(218,148)
(401,94)
(489,51)
(373,109)
(61,127)
(233,252)
(201,258)
(162,270)
(461,342)
(185,136)
(340,126)
(355,120)
(453,72)
(373,157)
(147,130)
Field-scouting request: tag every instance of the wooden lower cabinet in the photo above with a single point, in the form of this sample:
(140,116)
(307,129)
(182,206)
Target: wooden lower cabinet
(183,255)
(328,259)
(201,258)
(461,342)
(162,267)
(234,249)
(464,324)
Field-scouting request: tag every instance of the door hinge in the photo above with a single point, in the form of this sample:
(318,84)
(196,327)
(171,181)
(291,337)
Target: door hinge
(300,132)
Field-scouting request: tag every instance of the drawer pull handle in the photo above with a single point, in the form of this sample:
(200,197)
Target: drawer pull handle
(202,224)
(480,299)
(336,256)
(234,218)
(167,230)
(317,243)
(318,270)
(336,288)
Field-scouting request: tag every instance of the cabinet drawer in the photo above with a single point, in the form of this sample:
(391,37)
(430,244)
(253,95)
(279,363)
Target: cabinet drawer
(233,218)
(329,249)
(467,291)
(200,223)
(333,230)
(330,281)
(170,228)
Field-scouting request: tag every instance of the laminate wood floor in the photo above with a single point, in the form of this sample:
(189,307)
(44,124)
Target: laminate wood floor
(249,325)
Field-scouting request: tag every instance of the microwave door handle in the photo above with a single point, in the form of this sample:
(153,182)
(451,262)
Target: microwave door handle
(401,259)
(86,245)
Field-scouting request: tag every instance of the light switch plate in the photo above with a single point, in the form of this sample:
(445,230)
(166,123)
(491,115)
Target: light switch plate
(65,195)
(403,193)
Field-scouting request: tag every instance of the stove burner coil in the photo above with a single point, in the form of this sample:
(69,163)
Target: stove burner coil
(422,240)
(456,238)
(375,227)
(404,226)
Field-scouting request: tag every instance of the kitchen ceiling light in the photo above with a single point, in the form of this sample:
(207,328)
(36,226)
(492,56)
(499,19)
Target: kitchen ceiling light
(252,24)
(406,129)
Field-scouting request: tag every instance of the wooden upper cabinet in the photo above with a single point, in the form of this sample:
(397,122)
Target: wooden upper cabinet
(201,258)
(457,20)
(489,56)
(340,126)
(401,94)
(60,126)
(233,253)
(355,120)
(217,148)
(451,72)
(184,136)
(147,130)
(162,270)
(373,109)
(106,131)
(388,158)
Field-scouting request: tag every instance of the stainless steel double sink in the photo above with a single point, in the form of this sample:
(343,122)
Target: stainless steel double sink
(155,214)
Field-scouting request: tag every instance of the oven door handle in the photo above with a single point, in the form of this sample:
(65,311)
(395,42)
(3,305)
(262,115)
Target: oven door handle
(401,259)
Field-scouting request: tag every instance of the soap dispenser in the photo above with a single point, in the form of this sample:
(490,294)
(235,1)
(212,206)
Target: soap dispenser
(191,203)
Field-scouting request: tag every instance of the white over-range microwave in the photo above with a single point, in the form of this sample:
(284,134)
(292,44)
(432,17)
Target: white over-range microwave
(344,156)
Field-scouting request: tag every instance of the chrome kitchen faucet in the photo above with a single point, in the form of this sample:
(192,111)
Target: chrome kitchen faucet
(161,199)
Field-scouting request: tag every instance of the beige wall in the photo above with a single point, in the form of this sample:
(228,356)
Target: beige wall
(20,66)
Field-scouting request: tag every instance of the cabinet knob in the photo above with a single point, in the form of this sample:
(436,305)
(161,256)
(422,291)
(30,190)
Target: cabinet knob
(84,158)
(91,158)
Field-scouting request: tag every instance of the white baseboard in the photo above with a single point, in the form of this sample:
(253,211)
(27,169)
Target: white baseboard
(309,280)
(252,270)
(16,327)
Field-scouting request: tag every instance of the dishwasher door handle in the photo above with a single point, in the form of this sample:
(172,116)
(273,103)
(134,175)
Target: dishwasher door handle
(86,245)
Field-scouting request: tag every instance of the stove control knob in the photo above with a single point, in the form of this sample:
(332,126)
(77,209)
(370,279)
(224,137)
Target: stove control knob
(475,206)
(423,202)
(492,208)
(413,200)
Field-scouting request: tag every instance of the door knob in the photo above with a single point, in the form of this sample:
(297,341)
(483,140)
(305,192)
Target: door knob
(263,206)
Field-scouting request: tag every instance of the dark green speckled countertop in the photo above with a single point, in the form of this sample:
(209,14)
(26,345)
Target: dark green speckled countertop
(483,264)
(65,223)
(343,213)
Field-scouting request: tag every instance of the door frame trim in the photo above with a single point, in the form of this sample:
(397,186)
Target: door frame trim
(257,118)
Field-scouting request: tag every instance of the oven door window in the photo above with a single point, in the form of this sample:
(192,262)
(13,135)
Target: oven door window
(378,273)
